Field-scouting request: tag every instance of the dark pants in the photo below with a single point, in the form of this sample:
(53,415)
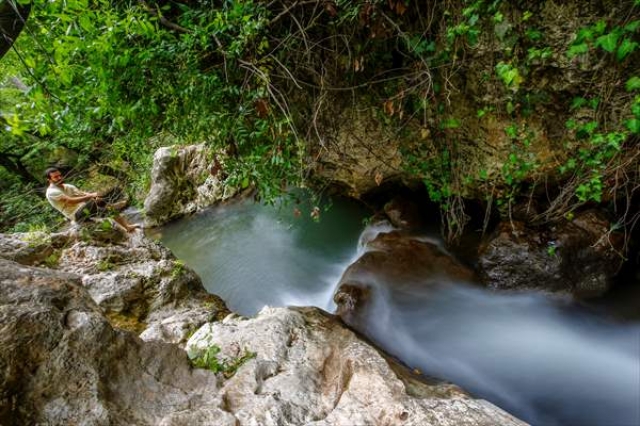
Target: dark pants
(91,208)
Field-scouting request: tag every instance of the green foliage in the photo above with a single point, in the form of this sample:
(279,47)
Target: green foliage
(434,171)
(633,84)
(520,162)
(261,81)
(468,27)
(593,159)
(178,269)
(37,235)
(104,265)
(208,359)
(509,75)
(539,53)
(633,124)
(619,40)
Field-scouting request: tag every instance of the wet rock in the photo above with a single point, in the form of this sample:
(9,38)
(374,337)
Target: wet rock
(183,180)
(578,257)
(309,369)
(399,262)
(403,214)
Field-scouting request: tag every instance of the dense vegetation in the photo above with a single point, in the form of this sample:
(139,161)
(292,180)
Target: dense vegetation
(102,83)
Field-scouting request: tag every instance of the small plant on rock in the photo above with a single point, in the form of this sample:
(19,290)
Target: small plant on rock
(208,358)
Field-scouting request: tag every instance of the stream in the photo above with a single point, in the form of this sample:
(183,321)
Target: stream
(548,361)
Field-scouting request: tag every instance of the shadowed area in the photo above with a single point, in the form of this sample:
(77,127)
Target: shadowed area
(13,17)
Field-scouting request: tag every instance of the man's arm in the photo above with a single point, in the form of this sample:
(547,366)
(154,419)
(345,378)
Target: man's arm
(78,198)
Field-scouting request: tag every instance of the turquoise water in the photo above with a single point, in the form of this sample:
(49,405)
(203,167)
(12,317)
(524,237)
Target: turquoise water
(547,361)
(253,255)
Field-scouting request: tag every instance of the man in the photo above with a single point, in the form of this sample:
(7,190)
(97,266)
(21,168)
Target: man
(77,205)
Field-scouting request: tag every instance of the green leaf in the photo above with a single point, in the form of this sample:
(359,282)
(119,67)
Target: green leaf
(533,34)
(584,34)
(577,49)
(512,131)
(578,102)
(599,27)
(633,83)
(632,26)
(626,47)
(450,123)
(608,42)
(633,125)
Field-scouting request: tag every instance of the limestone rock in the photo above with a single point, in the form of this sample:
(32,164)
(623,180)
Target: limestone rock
(183,180)
(360,153)
(139,284)
(62,363)
(309,369)
(32,248)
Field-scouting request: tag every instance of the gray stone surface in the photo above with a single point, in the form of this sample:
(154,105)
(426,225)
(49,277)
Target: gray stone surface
(62,363)
(183,180)
(311,370)
(138,283)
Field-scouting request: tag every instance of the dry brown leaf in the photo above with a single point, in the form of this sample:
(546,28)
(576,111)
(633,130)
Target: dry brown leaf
(330,7)
(262,107)
(389,108)
(378,178)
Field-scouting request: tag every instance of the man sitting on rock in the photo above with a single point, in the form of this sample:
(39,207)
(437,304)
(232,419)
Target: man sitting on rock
(77,205)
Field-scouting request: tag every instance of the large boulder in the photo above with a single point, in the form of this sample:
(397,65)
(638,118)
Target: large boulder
(397,261)
(309,369)
(62,363)
(183,180)
(578,257)
(138,283)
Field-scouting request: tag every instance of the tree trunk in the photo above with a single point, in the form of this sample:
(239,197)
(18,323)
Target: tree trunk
(14,166)
(13,16)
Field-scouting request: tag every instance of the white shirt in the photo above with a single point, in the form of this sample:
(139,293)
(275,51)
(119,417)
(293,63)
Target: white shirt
(55,194)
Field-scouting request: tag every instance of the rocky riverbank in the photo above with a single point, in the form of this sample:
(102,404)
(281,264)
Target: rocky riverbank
(93,333)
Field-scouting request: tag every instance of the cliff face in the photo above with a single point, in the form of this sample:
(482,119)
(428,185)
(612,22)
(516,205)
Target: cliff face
(500,102)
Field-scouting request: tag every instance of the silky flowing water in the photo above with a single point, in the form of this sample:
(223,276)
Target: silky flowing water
(548,362)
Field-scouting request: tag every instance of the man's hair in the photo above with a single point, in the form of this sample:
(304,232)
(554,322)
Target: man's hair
(47,173)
